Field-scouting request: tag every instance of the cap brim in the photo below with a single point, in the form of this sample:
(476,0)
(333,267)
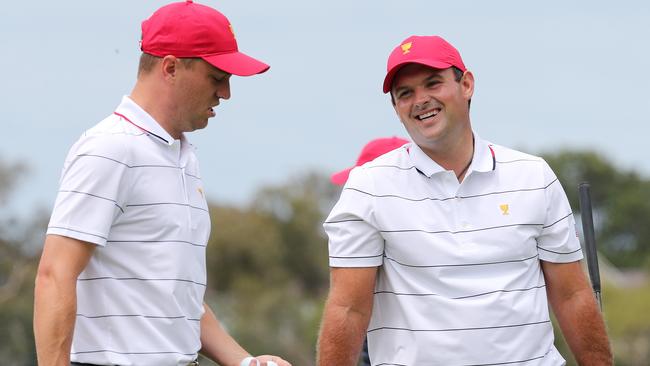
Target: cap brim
(237,63)
(388,80)
(341,177)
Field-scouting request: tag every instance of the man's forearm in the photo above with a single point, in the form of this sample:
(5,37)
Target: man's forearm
(341,336)
(576,310)
(584,330)
(55,307)
(216,343)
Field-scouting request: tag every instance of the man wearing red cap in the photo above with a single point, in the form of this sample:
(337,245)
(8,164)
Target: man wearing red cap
(122,275)
(448,250)
(372,150)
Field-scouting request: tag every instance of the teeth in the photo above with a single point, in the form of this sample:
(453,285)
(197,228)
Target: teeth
(427,115)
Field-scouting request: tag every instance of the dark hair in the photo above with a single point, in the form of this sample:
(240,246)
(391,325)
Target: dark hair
(148,61)
(458,73)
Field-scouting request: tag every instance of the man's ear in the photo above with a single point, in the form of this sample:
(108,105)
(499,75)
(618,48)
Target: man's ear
(467,83)
(169,67)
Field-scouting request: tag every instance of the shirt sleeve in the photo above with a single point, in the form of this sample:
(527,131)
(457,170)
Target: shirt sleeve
(93,190)
(558,241)
(354,240)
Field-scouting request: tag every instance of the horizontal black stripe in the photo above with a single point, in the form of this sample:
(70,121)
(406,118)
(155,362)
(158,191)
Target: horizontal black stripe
(508,191)
(547,226)
(455,232)
(103,157)
(510,362)
(480,364)
(391,166)
(139,279)
(135,353)
(340,221)
(368,256)
(132,316)
(96,196)
(157,241)
(138,166)
(458,329)
(461,265)
(450,198)
(396,196)
(165,203)
(551,251)
(459,297)
(519,160)
(76,231)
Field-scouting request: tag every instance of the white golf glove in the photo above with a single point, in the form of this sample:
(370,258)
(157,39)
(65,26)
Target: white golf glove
(247,362)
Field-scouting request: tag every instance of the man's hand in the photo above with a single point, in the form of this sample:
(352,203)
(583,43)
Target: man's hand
(265,360)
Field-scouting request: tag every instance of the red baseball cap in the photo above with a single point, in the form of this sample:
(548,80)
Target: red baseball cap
(432,51)
(186,29)
(372,150)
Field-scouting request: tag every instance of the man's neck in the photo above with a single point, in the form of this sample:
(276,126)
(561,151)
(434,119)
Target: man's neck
(456,155)
(154,105)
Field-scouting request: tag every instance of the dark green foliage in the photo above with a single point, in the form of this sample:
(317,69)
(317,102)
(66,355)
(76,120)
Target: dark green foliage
(17,272)
(267,264)
(621,204)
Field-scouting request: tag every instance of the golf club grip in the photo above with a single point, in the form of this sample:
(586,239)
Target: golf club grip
(589,236)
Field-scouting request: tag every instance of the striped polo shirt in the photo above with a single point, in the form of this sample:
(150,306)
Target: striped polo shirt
(459,279)
(128,187)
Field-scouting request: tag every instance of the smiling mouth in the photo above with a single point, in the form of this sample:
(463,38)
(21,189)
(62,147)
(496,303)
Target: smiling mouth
(430,114)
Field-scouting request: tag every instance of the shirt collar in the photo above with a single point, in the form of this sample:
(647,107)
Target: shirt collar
(484,158)
(144,121)
(482,161)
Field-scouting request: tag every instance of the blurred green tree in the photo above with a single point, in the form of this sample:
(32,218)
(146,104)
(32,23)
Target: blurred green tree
(267,267)
(17,270)
(620,200)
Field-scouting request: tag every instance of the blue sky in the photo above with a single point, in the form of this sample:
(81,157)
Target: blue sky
(549,75)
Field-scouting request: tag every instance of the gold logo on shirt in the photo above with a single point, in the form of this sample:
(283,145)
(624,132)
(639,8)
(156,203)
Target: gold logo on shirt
(200,191)
(505,209)
(406,48)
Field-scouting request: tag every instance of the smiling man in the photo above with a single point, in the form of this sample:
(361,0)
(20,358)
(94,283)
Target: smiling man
(448,250)
(122,275)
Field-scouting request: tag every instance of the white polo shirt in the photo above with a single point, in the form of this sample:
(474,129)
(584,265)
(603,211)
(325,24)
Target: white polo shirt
(459,279)
(130,188)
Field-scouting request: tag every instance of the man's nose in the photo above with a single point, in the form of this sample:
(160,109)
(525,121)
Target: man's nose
(421,97)
(223,91)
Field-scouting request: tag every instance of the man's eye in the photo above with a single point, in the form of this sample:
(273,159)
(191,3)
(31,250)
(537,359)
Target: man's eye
(432,83)
(403,94)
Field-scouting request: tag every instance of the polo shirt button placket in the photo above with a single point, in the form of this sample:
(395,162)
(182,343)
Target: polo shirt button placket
(181,161)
